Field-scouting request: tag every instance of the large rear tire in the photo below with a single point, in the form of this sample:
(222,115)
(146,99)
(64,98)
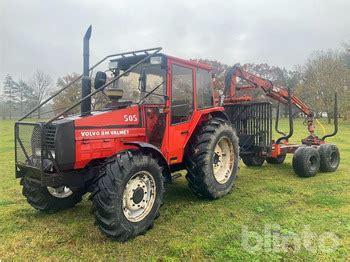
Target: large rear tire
(212,159)
(330,157)
(49,200)
(306,161)
(127,195)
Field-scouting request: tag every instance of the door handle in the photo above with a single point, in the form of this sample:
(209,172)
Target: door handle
(184,133)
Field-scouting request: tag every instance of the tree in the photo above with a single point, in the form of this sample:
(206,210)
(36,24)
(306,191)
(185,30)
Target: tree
(324,74)
(10,94)
(26,98)
(69,96)
(40,83)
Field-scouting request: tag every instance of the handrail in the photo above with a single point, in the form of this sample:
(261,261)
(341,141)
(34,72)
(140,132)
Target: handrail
(157,50)
(133,53)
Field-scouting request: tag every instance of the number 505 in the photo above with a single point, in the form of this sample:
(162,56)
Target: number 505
(130,118)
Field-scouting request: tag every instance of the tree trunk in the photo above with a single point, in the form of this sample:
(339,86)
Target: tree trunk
(10,109)
(329,117)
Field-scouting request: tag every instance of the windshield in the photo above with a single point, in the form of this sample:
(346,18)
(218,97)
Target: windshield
(131,84)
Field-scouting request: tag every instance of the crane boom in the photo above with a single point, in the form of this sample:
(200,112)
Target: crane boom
(280,94)
(277,93)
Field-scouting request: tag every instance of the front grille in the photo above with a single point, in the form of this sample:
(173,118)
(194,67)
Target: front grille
(50,133)
(28,144)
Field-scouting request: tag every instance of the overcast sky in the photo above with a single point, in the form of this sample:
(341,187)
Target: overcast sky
(47,35)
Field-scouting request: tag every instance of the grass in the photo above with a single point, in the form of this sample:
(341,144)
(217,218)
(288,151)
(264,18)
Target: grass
(190,228)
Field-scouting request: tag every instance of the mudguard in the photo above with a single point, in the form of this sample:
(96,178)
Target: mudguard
(155,151)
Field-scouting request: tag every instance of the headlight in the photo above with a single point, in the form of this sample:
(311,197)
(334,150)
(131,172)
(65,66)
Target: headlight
(37,152)
(52,153)
(155,60)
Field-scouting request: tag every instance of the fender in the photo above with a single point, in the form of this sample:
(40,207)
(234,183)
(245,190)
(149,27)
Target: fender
(220,114)
(155,151)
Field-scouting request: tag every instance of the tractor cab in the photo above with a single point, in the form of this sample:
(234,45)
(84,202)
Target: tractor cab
(169,93)
(144,84)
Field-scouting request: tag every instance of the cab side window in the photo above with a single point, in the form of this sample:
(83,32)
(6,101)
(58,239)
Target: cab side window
(204,91)
(181,94)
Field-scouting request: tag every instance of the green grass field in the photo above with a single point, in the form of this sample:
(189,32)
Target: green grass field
(191,228)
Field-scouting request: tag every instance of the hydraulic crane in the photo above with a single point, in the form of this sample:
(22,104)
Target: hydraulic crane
(238,79)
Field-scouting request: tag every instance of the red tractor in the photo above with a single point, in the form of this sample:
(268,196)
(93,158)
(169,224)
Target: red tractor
(162,117)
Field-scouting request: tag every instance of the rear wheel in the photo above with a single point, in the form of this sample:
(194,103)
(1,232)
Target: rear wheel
(306,161)
(212,159)
(48,199)
(127,195)
(276,160)
(253,160)
(330,158)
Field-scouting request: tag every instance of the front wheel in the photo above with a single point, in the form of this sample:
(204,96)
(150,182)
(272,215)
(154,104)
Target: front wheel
(48,199)
(212,159)
(128,194)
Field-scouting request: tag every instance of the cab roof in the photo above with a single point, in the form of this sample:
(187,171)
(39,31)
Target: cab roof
(125,62)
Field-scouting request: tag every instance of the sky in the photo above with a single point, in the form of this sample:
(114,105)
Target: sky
(47,35)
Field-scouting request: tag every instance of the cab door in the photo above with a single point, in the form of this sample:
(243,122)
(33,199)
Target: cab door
(181,109)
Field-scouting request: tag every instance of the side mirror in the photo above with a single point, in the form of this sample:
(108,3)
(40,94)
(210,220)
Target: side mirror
(100,79)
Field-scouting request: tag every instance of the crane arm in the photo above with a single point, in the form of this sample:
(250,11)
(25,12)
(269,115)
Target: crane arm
(254,82)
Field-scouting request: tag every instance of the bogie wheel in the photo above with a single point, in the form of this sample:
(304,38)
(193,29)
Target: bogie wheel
(253,160)
(306,161)
(276,160)
(330,157)
(48,199)
(127,195)
(212,159)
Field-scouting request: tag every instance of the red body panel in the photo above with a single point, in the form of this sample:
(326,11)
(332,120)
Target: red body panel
(104,134)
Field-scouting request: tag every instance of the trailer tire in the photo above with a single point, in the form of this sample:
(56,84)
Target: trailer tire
(330,157)
(276,160)
(253,160)
(127,195)
(306,161)
(212,159)
(41,199)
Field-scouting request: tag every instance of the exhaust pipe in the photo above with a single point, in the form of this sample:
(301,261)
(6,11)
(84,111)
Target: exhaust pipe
(86,81)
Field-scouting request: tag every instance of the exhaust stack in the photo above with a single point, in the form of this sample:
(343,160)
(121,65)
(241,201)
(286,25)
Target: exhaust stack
(86,81)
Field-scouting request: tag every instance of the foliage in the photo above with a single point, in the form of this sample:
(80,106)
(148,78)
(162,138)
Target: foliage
(69,96)
(278,76)
(324,74)
(20,96)
(9,94)
(40,83)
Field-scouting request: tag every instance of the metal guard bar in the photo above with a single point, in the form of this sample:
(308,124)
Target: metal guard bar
(131,53)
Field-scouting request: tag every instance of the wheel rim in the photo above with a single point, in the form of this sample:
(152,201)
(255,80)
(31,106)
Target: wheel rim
(312,162)
(333,159)
(139,196)
(60,192)
(223,160)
